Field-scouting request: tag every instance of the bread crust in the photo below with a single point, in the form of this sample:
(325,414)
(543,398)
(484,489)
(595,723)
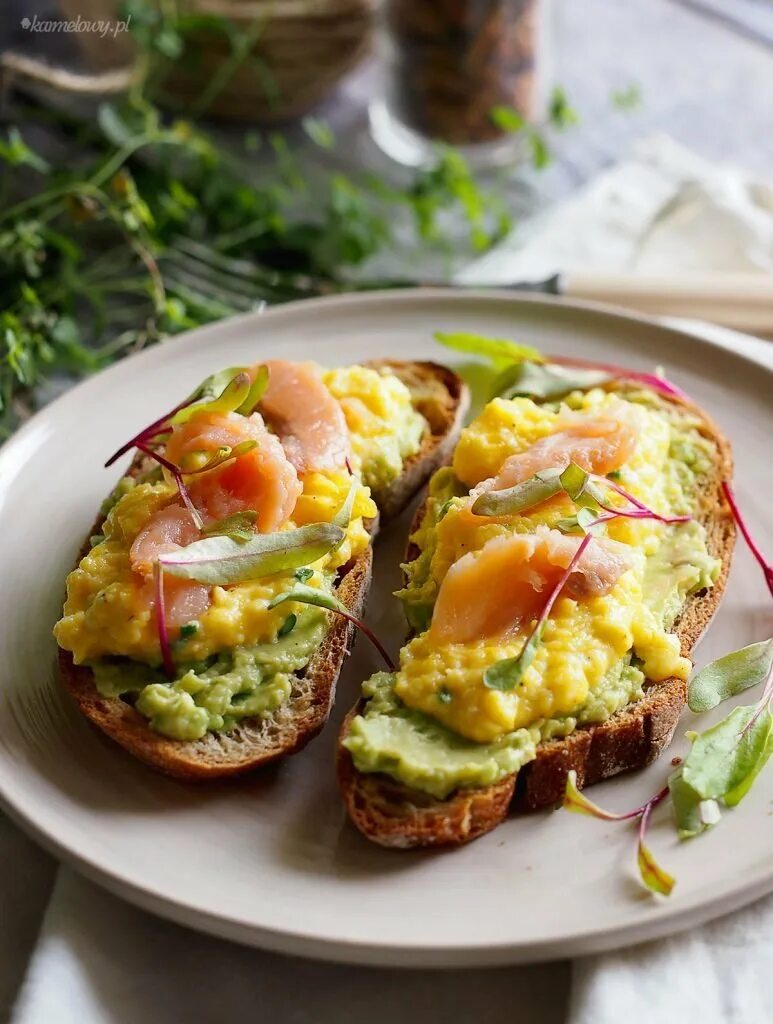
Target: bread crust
(256,742)
(396,816)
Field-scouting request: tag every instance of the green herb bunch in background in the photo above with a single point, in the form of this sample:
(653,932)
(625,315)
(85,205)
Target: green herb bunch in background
(144,226)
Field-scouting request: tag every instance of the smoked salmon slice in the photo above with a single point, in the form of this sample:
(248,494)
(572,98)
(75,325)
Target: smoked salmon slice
(503,586)
(310,423)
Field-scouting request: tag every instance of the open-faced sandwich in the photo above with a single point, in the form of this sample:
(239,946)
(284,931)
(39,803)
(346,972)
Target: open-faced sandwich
(209,615)
(559,574)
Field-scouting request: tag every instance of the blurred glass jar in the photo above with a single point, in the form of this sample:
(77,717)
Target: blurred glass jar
(450,64)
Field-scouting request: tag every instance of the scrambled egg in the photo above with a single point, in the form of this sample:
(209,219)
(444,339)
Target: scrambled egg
(584,641)
(385,428)
(108,608)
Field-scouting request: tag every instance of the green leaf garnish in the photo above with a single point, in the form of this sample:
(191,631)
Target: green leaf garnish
(343,516)
(322,599)
(584,521)
(560,113)
(219,561)
(287,626)
(498,351)
(725,759)
(239,527)
(656,878)
(202,462)
(545,484)
(730,675)
(521,497)
(652,875)
(545,381)
(256,392)
(578,803)
(304,574)
(693,814)
(235,393)
(505,675)
(188,630)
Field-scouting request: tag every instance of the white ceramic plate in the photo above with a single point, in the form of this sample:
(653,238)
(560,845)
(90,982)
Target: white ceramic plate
(271,860)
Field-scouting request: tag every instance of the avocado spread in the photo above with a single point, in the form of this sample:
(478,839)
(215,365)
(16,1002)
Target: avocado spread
(417,750)
(245,682)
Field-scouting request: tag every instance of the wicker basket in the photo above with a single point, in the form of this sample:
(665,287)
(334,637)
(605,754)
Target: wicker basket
(302,49)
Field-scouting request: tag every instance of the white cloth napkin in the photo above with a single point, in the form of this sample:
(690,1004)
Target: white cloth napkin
(662,210)
(98,959)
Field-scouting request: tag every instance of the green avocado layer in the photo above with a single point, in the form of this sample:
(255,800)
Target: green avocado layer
(247,682)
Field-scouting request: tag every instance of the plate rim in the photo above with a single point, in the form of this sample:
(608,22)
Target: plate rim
(389,953)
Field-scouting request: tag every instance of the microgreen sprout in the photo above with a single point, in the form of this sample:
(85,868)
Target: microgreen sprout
(655,381)
(765,565)
(652,875)
(321,599)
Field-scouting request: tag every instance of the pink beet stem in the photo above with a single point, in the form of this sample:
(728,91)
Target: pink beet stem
(163,635)
(766,567)
(146,433)
(652,380)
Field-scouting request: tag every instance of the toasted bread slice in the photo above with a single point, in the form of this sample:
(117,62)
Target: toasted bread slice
(394,815)
(442,398)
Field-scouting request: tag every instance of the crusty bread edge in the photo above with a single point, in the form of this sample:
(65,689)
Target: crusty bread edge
(393,815)
(257,742)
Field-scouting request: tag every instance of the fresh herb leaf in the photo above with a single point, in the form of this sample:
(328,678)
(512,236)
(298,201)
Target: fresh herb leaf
(189,629)
(725,759)
(304,574)
(560,113)
(219,561)
(544,485)
(498,351)
(652,875)
(203,461)
(233,395)
(287,626)
(521,497)
(545,381)
(693,814)
(730,675)
(240,527)
(583,521)
(508,673)
(656,878)
(578,803)
(322,599)
(507,118)
(319,132)
(256,392)
(343,516)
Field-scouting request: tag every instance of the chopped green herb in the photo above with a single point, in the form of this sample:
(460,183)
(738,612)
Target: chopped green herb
(303,574)
(287,626)
(188,630)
